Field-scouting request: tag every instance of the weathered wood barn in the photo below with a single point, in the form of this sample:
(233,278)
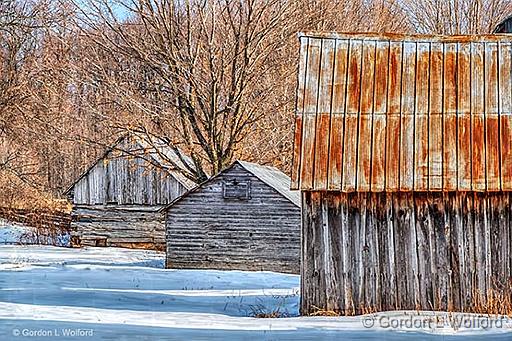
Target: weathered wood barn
(244,218)
(403,154)
(117,201)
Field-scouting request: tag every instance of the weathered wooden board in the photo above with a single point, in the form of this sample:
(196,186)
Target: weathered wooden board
(126,181)
(206,230)
(113,225)
(418,250)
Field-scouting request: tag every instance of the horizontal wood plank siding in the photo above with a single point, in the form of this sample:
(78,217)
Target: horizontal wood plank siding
(204,230)
(123,226)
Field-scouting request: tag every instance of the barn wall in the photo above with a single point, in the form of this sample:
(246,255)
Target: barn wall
(204,230)
(126,226)
(125,180)
(367,252)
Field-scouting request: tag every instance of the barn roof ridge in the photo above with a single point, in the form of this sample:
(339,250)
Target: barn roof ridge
(187,183)
(269,175)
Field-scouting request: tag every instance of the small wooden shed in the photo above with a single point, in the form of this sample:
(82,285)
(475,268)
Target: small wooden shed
(244,218)
(403,154)
(117,201)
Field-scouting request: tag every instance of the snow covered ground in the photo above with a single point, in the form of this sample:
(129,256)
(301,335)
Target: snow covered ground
(15,233)
(11,233)
(50,293)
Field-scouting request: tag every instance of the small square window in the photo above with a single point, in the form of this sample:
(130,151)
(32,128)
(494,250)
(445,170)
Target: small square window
(236,189)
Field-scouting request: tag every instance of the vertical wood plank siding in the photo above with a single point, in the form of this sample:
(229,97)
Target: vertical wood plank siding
(399,113)
(117,201)
(406,173)
(403,251)
(205,230)
(126,181)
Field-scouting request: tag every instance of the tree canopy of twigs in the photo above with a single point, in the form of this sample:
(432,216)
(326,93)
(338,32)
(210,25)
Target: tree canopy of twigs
(213,79)
(456,16)
(202,68)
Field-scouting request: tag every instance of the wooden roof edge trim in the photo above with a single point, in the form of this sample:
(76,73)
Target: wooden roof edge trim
(411,37)
(405,191)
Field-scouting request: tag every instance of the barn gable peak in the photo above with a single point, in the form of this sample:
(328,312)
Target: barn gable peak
(270,176)
(131,146)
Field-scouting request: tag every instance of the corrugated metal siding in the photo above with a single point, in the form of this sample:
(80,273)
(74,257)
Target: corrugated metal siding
(403,113)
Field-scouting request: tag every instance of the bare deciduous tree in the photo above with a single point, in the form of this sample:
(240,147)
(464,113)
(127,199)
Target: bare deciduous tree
(202,64)
(20,27)
(456,16)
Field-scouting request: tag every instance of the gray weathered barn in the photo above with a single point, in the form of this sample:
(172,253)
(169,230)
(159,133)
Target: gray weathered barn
(117,201)
(403,154)
(244,218)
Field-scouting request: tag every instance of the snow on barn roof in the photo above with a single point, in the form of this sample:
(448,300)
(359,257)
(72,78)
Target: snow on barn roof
(159,152)
(387,112)
(271,176)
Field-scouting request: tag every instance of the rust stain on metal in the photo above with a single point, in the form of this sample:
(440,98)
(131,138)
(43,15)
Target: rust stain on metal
(378,154)
(492,153)
(506,151)
(323,114)
(478,155)
(321,149)
(464,147)
(450,79)
(395,78)
(392,152)
(403,113)
(435,152)
(450,152)
(335,151)
(406,169)
(368,78)
(297,142)
(354,76)
(421,152)
(381,77)
(350,153)
(364,154)
(296,152)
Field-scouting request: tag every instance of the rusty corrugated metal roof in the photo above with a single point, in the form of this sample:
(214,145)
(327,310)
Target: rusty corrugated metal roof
(403,113)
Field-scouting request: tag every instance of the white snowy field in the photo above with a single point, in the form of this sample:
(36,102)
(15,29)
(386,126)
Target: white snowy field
(11,233)
(51,293)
